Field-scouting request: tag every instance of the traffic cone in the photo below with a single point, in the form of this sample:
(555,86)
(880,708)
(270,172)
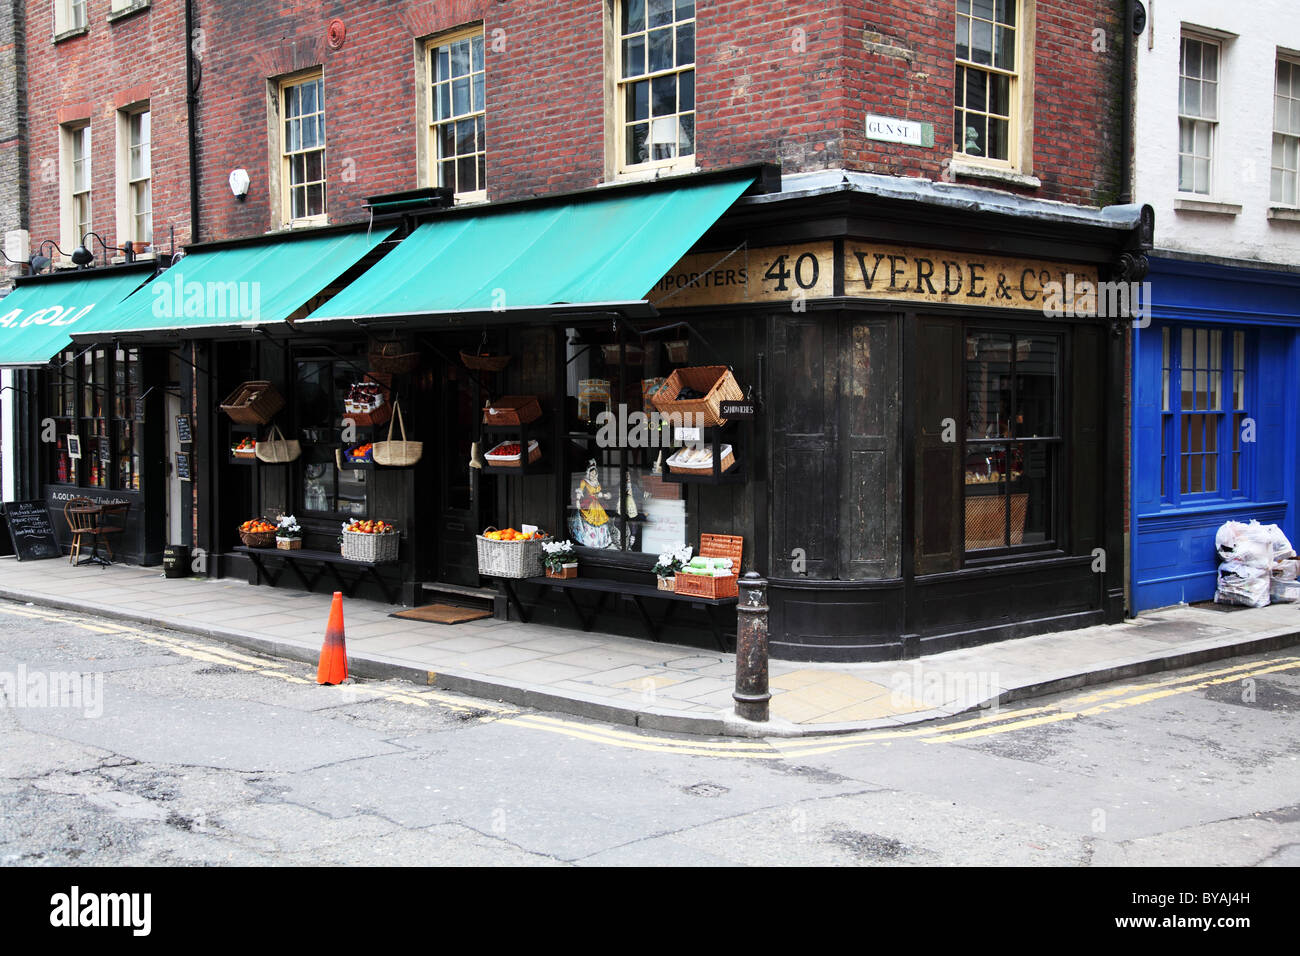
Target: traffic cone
(333,668)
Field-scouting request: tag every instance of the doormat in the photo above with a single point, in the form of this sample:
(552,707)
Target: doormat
(1224,608)
(442,614)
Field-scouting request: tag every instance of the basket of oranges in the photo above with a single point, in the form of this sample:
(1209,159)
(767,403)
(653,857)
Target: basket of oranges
(257,533)
(510,553)
(372,541)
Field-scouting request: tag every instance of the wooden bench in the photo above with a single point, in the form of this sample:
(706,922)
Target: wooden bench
(321,563)
(638,594)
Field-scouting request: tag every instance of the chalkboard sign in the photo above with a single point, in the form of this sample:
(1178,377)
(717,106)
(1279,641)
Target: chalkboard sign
(30,530)
(184,435)
(183,466)
(730,409)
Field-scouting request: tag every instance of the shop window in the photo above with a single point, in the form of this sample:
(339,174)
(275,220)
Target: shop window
(615,495)
(1204,414)
(92,398)
(458,115)
(1013,439)
(302,149)
(1198,114)
(320,389)
(655,84)
(1286,134)
(988,81)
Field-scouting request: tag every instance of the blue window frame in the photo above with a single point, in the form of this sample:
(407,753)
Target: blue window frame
(1206,433)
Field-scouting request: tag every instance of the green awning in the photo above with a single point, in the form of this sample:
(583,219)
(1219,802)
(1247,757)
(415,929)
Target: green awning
(243,286)
(603,248)
(37,318)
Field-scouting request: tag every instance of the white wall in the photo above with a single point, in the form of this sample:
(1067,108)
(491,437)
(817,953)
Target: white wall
(1243,148)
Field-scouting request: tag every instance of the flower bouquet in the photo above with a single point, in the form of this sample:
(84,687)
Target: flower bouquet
(560,560)
(288,533)
(669,563)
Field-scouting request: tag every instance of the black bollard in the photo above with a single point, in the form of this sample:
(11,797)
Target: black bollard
(751,694)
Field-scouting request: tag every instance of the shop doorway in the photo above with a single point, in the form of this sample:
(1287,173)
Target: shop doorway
(456,516)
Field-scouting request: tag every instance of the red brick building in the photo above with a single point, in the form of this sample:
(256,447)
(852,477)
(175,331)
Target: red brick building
(937,455)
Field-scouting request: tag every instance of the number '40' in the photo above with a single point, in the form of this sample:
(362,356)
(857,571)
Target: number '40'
(806,272)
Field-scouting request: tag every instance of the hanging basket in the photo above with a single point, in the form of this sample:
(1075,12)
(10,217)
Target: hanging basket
(392,357)
(677,350)
(484,363)
(278,451)
(397,454)
(714,382)
(512,410)
(253,403)
(368,415)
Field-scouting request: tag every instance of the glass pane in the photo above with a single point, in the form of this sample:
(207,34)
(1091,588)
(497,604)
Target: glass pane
(447,174)
(1191,100)
(686,90)
(633,15)
(985,485)
(958,86)
(634,55)
(315,200)
(1209,61)
(352,492)
(464,136)
(661,49)
(686,134)
(1006,12)
(478,92)
(659,12)
(976,90)
(663,95)
(988,385)
(1164,366)
(686,44)
(1190,59)
(685,9)
(981,40)
(963,38)
(466,168)
(638,150)
(460,58)
(1000,95)
(638,101)
(998,135)
(446,140)
(318,486)
(315,166)
(444,64)
(482,171)
(460,96)
(477,51)
(1006,48)
(1037,361)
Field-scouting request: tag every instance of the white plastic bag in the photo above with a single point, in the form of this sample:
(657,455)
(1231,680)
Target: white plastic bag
(1250,544)
(1281,546)
(1242,584)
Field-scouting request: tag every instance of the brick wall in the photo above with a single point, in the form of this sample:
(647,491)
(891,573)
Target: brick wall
(141,56)
(786,82)
(13,119)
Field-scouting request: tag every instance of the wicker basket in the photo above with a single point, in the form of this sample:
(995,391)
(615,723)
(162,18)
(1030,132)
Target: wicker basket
(667,584)
(277,451)
(289,544)
(677,350)
(392,357)
(383,412)
(512,410)
(509,559)
(245,454)
(253,403)
(257,539)
(484,363)
(375,548)
(716,383)
(714,546)
(397,454)
(566,571)
(635,354)
(516,461)
(728,459)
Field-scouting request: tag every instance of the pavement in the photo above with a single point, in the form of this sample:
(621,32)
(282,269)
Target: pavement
(645,684)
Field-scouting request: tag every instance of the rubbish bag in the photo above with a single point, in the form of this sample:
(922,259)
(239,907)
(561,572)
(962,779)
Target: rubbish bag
(1281,546)
(1242,584)
(1250,544)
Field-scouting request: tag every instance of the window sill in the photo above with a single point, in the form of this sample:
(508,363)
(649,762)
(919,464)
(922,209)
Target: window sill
(70,33)
(651,173)
(1284,213)
(994,174)
(121,13)
(1209,206)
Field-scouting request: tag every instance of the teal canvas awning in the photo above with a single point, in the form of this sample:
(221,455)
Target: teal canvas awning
(36,319)
(243,286)
(601,248)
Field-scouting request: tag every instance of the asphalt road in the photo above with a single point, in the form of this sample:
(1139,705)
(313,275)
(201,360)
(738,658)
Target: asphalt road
(171,750)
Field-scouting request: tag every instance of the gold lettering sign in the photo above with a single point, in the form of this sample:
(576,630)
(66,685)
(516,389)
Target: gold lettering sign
(959,278)
(775,274)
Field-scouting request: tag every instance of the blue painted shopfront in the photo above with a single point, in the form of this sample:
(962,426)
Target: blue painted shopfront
(1216,385)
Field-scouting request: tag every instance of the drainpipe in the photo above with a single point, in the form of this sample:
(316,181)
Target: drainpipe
(1126,109)
(193,72)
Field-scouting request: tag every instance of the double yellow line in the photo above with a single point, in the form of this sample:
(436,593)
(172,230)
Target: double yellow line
(1092,703)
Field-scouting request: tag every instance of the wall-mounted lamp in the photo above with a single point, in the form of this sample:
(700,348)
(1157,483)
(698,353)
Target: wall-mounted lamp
(82,256)
(239,183)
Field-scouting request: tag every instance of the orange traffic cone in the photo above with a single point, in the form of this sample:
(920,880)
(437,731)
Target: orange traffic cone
(333,668)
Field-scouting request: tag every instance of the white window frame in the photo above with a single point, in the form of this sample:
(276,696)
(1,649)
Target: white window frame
(616,88)
(1020,94)
(282,191)
(477,112)
(1288,136)
(72,226)
(129,185)
(71,15)
(1210,121)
